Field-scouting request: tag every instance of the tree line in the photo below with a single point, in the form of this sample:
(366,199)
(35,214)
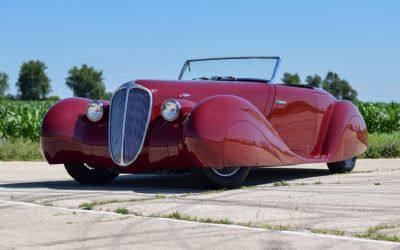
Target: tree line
(85,81)
(338,87)
(34,84)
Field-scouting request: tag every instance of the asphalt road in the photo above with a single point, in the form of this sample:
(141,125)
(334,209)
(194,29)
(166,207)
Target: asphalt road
(278,208)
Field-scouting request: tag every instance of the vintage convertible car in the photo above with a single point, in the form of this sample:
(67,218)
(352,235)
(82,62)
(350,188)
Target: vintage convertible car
(222,117)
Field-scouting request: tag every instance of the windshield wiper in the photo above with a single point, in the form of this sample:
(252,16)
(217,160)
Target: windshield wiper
(251,80)
(201,78)
(223,78)
(230,78)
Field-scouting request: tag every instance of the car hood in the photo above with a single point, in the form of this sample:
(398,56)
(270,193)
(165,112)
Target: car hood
(255,92)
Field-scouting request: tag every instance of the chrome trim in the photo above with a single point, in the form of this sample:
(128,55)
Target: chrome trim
(101,107)
(275,70)
(226,171)
(177,104)
(184,95)
(281,102)
(187,63)
(123,126)
(349,161)
(128,86)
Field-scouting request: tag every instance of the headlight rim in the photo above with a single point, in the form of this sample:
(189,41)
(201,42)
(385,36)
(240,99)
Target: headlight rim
(100,104)
(178,112)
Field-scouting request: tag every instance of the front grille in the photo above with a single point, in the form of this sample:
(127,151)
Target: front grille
(130,111)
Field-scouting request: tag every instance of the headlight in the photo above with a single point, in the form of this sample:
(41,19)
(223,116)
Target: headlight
(94,111)
(170,110)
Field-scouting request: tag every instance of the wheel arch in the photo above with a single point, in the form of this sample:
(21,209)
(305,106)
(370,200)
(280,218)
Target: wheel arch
(346,134)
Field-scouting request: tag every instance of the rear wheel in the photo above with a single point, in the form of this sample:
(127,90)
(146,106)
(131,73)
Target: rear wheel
(85,174)
(342,166)
(226,177)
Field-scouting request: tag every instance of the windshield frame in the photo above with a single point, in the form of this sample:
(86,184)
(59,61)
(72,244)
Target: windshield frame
(274,73)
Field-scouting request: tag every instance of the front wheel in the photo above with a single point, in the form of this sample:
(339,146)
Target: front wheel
(342,166)
(226,177)
(85,174)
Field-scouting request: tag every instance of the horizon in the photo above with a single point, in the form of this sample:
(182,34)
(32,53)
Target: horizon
(152,39)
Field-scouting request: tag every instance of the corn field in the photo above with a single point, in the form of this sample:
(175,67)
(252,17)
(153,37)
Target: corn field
(22,119)
(381,117)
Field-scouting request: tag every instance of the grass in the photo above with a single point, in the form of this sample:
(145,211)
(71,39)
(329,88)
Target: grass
(87,205)
(383,146)
(274,227)
(327,231)
(372,233)
(178,216)
(122,210)
(281,184)
(47,204)
(20,149)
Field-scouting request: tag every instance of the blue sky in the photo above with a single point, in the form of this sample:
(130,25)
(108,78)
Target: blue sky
(360,40)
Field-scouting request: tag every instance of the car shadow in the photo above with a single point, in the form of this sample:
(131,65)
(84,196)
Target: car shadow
(174,183)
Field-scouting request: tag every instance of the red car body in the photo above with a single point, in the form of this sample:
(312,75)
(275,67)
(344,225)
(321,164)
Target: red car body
(229,124)
(221,123)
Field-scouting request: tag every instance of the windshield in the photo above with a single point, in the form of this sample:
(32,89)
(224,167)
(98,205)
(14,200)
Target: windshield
(231,69)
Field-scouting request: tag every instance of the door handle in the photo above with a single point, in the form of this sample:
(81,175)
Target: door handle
(281,102)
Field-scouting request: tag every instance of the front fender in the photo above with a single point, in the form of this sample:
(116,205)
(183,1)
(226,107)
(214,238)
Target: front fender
(68,136)
(227,130)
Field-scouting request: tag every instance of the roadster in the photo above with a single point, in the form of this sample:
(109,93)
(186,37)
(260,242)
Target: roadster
(222,117)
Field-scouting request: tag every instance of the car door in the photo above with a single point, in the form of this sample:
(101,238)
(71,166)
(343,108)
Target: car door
(294,116)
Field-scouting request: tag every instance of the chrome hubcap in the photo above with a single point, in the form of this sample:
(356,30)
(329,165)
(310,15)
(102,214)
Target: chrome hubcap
(349,161)
(226,171)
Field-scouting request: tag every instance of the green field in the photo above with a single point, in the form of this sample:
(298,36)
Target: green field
(381,117)
(21,121)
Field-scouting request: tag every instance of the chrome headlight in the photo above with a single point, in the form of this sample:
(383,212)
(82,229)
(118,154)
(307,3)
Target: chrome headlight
(94,111)
(170,110)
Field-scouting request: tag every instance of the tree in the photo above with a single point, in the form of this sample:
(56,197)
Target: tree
(3,84)
(33,83)
(338,87)
(291,78)
(314,81)
(86,82)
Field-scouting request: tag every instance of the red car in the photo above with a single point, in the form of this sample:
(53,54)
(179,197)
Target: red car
(222,117)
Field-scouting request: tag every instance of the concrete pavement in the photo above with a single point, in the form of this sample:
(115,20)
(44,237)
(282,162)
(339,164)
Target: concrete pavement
(39,207)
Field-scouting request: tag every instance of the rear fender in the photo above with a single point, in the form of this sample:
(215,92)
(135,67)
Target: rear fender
(346,134)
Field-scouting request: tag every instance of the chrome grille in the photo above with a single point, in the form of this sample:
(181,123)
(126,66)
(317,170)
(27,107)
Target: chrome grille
(129,117)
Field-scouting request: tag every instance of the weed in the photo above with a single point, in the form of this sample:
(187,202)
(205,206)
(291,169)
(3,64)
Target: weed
(122,210)
(372,233)
(281,183)
(178,216)
(87,205)
(327,231)
(274,227)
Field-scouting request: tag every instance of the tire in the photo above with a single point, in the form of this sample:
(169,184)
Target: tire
(342,166)
(229,177)
(86,174)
